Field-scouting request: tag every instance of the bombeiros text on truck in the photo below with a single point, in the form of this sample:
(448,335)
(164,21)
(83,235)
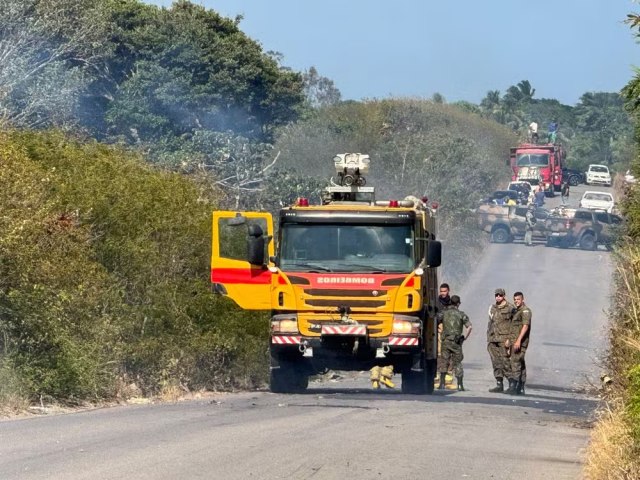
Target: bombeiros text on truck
(351,283)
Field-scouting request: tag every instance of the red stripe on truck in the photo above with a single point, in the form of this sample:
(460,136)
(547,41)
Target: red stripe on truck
(256,276)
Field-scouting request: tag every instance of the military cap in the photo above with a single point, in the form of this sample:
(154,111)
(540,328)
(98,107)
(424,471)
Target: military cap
(500,291)
(455,300)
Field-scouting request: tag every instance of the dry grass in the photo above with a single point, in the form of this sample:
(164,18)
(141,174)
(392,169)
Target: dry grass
(13,404)
(610,452)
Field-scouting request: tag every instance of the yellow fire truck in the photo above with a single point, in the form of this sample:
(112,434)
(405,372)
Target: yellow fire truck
(351,283)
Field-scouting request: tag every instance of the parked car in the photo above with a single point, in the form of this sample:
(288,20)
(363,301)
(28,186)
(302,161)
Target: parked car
(598,174)
(505,223)
(574,177)
(597,200)
(582,228)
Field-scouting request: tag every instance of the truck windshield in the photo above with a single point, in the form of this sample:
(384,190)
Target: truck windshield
(346,248)
(532,160)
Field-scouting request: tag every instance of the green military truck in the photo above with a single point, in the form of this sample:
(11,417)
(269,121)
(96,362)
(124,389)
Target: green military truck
(582,227)
(506,223)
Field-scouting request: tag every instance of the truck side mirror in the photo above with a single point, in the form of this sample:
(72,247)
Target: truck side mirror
(434,253)
(255,245)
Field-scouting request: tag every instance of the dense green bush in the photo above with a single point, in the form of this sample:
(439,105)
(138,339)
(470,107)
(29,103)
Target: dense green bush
(103,276)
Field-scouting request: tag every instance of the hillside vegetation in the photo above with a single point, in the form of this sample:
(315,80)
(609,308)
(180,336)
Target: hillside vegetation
(614,451)
(103,278)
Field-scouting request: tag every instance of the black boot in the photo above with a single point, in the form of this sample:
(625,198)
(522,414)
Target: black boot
(460,385)
(442,378)
(512,387)
(520,388)
(499,388)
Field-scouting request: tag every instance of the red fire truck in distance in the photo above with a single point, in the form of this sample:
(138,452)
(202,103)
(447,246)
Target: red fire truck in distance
(538,164)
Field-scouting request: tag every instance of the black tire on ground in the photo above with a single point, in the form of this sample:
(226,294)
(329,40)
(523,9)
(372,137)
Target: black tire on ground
(588,242)
(500,235)
(288,379)
(419,383)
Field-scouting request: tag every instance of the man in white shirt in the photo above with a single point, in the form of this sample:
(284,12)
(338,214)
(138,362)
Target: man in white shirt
(533,132)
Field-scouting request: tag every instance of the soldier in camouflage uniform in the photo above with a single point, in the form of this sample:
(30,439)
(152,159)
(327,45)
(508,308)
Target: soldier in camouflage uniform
(498,331)
(454,322)
(519,340)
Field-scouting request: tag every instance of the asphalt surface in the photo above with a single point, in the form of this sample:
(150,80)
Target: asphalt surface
(341,428)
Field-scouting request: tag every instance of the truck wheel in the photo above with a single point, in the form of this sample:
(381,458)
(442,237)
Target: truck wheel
(287,378)
(287,381)
(500,235)
(419,383)
(588,242)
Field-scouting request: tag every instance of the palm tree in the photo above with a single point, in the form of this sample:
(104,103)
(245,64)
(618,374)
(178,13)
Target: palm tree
(526,91)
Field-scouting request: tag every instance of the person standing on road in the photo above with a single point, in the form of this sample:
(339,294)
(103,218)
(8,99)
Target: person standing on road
(538,198)
(498,330)
(519,342)
(564,192)
(530,220)
(454,322)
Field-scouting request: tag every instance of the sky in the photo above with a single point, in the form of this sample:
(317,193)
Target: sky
(458,48)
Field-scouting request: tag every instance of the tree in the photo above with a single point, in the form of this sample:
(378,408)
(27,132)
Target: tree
(601,116)
(187,68)
(526,91)
(438,98)
(320,91)
(49,51)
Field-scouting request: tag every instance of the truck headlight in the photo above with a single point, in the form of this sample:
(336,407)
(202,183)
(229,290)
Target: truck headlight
(405,326)
(284,324)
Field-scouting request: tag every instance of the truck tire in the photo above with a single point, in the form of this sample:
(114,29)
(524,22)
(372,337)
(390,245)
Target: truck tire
(287,381)
(500,235)
(419,383)
(588,241)
(287,377)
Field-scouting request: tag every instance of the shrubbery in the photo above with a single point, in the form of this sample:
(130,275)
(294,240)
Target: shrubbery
(103,277)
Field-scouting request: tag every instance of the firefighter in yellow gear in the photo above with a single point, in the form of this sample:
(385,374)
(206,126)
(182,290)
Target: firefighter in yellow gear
(381,375)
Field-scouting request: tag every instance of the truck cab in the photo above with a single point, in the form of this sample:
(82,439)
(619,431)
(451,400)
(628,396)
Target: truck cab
(539,164)
(351,283)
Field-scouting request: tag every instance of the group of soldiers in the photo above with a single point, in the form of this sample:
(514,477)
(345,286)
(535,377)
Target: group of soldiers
(507,339)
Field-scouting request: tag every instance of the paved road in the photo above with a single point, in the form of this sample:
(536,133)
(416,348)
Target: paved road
(342,429)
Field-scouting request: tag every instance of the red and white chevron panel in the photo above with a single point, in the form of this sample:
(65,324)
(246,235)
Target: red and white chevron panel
(403,341)
(285,340)
(344,330)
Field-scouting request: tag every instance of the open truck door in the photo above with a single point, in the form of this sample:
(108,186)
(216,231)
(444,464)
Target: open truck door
(242,243)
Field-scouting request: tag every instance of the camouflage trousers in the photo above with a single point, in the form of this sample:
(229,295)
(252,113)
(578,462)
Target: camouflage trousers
(517,366)
(450,356)
(499,359)
(528,237)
